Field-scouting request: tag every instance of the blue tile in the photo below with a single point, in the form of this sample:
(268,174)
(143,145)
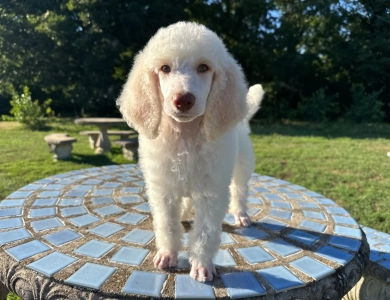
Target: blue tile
(347,231)
(106,229)
(253,211)
(130,199)
(344,220)
(94,248)
(186,239)
(337,210)
(344,242)
(314,215)
(334,254)
(11,212)
(261,190)
(26,250)
(49,194)
(145,283)
(53,187)
(229,219)
(182,261)
(20,194)
(31,187)
(254,255)
(324,201)
(297,187)
(42,212)
(45,202)
(251,233)
(111,185)
(282,247)
(92,181)
(242,285)
(283,190)
(71,202)
(91,276)
(84,220)
(226,239)
(312,226)
(102,200)
(46,224)
(131,218)
(294,196)
(138,236)
(145,207)
(308,205)
(131,190)
(109,210)
(312,267)
(188,288)
(11,223)
(224,259)
(10,203)
(105,192)
(73,211)
(271,224)
(281,279)
(140,183)
(280,214)
(14,235)
(74,193)
(62,237)
(285,205)
(303,237)
(313,194)
(130,256)
(253,200)
(273,197)
(52,263)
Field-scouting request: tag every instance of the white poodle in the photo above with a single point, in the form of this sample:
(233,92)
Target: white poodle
(187,98)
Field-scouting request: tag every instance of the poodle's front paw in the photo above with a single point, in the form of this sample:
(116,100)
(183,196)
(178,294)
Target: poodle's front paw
(165,259)
(202,272)
(242,219)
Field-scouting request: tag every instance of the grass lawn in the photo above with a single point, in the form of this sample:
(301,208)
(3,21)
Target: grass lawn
(345,163)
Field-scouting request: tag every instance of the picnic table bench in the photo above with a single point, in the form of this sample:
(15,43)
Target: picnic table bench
(94,135)
(88,234)
(60,144)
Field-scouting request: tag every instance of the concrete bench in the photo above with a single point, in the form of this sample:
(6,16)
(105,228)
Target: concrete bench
(375,283)
(129,148)
(60,144)
(94,135)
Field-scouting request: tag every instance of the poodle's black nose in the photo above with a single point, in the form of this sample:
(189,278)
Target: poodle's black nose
(184,102)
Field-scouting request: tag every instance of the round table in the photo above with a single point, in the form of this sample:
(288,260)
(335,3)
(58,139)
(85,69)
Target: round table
(88,234)
(103,143)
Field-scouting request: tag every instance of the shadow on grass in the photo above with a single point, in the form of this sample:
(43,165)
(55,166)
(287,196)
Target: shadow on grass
(95,159)
(327,130)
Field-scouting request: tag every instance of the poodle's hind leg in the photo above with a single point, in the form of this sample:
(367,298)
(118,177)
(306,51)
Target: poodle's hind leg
(168,231)
(242,173)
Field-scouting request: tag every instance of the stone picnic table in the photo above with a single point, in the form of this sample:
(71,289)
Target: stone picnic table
(88,234)
(103,143)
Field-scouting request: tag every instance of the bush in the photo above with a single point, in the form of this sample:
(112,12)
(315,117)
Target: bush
(365,108)
(28,112)
(318,106)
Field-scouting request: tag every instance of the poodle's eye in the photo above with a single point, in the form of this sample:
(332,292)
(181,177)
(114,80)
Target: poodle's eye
(166,69)
(202,68)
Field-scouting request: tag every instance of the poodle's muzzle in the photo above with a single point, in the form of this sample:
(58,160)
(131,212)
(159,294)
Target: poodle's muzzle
(184,102)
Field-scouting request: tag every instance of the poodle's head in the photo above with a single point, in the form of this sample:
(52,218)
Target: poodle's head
(184,72)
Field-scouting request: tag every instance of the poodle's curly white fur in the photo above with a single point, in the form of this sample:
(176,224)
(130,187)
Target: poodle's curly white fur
(188,99)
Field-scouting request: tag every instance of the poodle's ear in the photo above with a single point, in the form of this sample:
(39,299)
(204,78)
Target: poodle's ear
(139,101)
(226,104)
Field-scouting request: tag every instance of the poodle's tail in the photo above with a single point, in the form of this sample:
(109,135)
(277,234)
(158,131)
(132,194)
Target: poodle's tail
(253,98)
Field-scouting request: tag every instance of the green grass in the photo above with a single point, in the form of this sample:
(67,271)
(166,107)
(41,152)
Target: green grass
(346,163)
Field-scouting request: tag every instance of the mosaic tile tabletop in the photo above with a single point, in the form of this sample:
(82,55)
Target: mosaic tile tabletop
(91,230)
